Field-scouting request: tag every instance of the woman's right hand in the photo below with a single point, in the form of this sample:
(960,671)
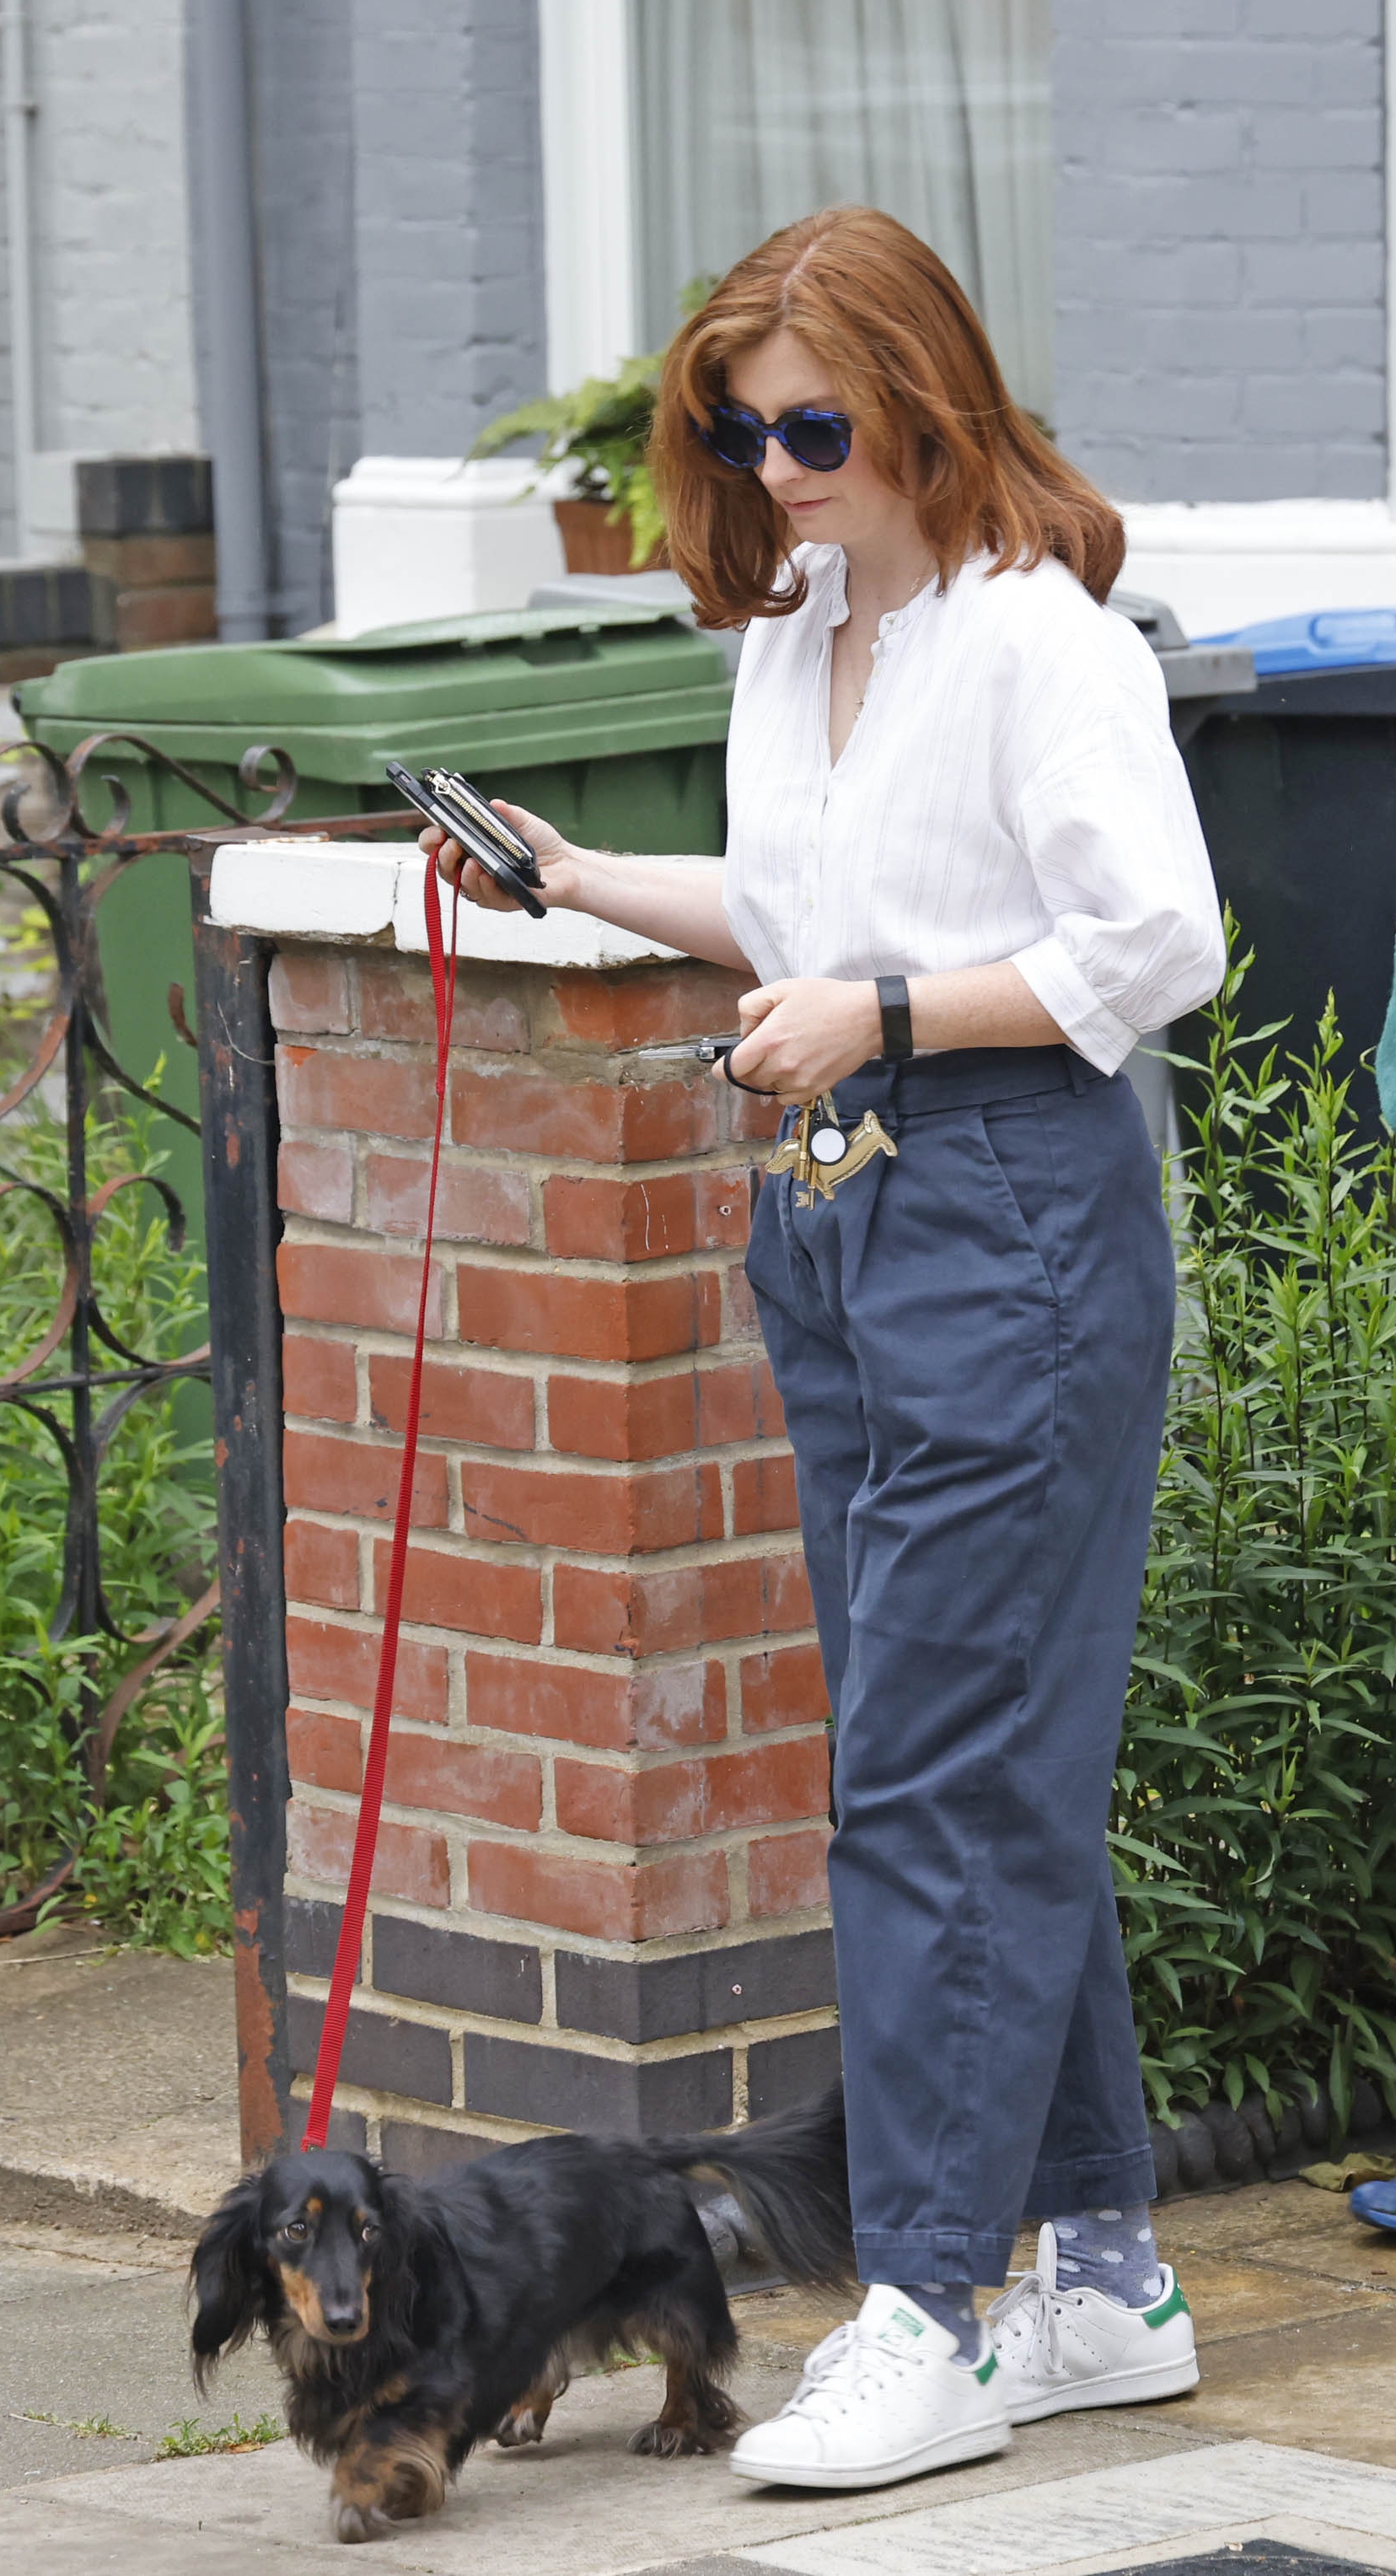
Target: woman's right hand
(558,862)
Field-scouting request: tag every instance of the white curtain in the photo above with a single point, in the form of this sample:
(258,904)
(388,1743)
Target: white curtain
(749,113)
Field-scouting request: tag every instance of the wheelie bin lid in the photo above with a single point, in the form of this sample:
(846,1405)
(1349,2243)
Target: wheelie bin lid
(543,684)
(1332,639)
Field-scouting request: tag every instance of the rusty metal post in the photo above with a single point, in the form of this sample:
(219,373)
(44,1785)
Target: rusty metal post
(237,1092)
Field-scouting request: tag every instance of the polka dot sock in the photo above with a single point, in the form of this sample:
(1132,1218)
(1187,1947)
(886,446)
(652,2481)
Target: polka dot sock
(952,2306)
(1112,2250)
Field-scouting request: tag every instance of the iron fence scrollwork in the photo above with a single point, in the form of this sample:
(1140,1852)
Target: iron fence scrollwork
(81,1377)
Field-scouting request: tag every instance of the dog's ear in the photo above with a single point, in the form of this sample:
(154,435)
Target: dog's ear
(228,2279)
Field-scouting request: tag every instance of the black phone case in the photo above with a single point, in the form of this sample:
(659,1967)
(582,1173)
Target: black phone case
(456,821)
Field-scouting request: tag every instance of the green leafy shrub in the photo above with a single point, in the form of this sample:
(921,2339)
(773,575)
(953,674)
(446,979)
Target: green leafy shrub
(1255,1850)
(602,428)
(154,1861)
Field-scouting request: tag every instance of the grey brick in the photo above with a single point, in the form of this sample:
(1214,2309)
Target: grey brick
(311,1933)
(1348,202)
(503,1979)
(564,2088)
(380,2049)
(1295,138)
(637,2000)
(411,2147)
(1331,18)
(783,2071)
(347,2133)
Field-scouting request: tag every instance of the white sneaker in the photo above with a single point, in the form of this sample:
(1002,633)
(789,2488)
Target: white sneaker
(1063,2348)
(880,2399)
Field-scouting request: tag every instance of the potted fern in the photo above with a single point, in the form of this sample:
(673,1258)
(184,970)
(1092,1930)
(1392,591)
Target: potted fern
(611,522)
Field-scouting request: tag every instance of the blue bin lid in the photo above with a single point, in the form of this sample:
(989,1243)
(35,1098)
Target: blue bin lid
(1334,639)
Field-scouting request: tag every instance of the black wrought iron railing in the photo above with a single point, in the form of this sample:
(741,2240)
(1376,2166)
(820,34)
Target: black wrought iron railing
(80,1377)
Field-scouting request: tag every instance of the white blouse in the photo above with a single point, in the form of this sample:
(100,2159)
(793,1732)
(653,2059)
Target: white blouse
(1010,789)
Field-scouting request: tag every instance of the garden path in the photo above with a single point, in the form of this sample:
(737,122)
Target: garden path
(1292,2433)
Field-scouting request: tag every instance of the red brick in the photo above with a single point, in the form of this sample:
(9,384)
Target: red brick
(309,994)
(647,1005)
(332,1283)
(587,1319)
(318,1379)
(649,1610)
(720,1207)
(322,1565)
(326,1662)
(486,1596)
(316,1180)
(490,1408)
(608,1417)
(763,1494)
(738,1403)
(377,1095)
(595,1122)
(678,1801)
(488,1781)
(325,1474)
(474,1203)
(783,1688)
(409,1862)
(396,1001)
(614,1710)
(787,1873)
(613,1220)
(323,1752)
(752,1121)
(615,1515)
(742,1324)
(606,1900)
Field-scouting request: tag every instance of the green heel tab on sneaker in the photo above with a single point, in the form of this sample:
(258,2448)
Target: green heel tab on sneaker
(986,2369)
(1175,2305)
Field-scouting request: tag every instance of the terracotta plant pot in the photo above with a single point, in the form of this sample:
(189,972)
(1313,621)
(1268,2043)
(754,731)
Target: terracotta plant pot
(592,544)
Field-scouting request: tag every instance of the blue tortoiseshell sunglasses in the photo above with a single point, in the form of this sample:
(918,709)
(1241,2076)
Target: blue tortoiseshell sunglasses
(818,439)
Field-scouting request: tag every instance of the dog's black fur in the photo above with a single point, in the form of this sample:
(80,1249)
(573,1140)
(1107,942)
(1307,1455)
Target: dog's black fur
(414,2319)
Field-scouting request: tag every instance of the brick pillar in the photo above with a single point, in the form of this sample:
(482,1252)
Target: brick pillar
(600,1893)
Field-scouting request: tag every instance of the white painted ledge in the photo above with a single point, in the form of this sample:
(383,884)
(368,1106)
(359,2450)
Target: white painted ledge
(354,890)
(1223,564)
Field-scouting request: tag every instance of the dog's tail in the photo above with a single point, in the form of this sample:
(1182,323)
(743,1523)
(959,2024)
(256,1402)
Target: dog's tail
(790,2174)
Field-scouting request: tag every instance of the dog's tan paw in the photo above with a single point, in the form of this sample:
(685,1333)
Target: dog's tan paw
(513,2431)
(661,2441)
(358,2521)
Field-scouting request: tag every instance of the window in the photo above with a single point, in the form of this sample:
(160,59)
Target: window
(748,113)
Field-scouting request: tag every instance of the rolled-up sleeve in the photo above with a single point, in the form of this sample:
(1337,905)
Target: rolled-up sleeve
(1107,823)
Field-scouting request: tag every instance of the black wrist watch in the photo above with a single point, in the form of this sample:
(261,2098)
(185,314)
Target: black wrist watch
(894,1002)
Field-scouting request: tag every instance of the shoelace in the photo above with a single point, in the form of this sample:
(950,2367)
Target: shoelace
(846,2364)
(1031,2307)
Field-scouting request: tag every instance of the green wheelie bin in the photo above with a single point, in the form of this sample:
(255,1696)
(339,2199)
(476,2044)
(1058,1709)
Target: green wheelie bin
(609,719)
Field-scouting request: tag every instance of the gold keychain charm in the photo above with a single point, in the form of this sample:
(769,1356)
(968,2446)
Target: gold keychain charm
(818,1153)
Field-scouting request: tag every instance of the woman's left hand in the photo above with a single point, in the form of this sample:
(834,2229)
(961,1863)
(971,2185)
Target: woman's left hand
(804,1034)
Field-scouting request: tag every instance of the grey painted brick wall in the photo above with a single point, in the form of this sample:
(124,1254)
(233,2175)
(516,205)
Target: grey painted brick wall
(448,219)
(1220,246)
(400,218)
(304,150)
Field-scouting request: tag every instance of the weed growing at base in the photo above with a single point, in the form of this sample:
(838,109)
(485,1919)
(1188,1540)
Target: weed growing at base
(154,1861)
(1255,1826)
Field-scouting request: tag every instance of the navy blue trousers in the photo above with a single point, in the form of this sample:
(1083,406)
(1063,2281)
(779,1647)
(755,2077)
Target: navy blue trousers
(971,1343)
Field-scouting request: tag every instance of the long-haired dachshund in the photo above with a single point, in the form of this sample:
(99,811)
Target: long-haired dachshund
(414,2319)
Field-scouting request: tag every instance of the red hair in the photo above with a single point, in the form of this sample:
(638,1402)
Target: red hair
(910,360)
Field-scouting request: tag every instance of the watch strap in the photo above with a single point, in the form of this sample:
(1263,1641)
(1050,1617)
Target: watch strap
(894,1002)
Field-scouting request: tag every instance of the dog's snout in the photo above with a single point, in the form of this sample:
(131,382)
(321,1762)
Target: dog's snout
(342,2318)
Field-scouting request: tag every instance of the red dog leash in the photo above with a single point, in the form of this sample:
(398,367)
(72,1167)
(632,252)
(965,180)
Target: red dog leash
(346,1957)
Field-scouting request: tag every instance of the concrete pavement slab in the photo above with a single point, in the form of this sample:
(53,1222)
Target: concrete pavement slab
(87,2338)
(580,2504)
(120,2085)
(1104,2517)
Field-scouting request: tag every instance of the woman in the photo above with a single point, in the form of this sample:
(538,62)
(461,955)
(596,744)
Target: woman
(965,873)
